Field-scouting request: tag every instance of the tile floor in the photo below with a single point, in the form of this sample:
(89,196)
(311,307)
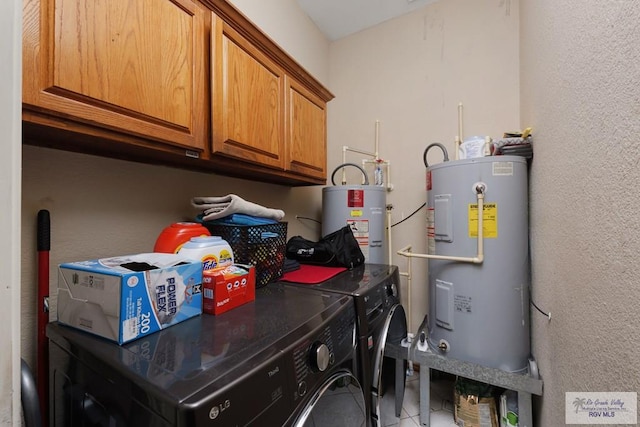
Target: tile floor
(441,403)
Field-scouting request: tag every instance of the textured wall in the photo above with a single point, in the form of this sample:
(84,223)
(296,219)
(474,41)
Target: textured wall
(580,90)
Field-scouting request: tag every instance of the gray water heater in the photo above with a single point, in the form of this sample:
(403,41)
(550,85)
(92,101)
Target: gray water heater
(479,313)
(362,207)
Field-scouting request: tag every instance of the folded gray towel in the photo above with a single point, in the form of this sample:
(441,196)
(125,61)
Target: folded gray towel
(219,207)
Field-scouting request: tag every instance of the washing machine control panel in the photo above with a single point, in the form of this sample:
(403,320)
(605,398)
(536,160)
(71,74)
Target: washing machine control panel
(314,358)
(391,289)
(381,297)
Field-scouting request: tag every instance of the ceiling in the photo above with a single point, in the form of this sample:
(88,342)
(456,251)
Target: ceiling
(340,18)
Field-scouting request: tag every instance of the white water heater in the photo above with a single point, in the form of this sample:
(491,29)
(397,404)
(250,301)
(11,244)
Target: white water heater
(363,208)
(479,312)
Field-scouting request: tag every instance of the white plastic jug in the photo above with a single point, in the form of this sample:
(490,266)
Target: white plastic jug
(213,251)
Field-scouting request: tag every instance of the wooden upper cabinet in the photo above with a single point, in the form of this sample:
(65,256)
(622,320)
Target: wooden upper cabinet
(186,83)
(247,100)
(306,131)
(266,110)
(133,66)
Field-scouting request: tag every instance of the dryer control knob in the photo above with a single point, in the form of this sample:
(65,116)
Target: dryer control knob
(392,290)
(320,356)
(302,388)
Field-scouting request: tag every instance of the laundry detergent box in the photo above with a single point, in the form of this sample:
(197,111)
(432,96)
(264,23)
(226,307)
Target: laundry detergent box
(128,297)
(228,287)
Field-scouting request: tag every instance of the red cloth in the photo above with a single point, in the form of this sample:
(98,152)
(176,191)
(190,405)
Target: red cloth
(311,274)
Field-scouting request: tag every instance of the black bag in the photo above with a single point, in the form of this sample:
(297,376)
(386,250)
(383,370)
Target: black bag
(337,249)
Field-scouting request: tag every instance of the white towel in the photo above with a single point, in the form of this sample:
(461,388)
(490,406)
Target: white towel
(219,207)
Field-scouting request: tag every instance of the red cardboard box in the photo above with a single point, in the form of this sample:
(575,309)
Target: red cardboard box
(228,287)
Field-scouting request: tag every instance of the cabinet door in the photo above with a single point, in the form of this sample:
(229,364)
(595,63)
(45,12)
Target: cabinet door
(136,66)
(306,132)
(248,100)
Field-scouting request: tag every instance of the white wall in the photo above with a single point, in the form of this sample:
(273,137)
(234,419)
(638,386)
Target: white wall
(410,73)
(10,134)
(580,90)
(287,25)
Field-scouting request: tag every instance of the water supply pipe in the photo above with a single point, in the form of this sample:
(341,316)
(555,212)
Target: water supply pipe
(410,336)
(344,156)
(390,251)
(408,275)
(479,258)
(375,159)
(459,138)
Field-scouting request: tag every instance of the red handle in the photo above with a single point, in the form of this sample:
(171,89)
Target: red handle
(44,245)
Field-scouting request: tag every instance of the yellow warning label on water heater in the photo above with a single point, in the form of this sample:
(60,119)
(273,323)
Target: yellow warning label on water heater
(489,220)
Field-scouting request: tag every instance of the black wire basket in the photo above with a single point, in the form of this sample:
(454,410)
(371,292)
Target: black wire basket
(262,246)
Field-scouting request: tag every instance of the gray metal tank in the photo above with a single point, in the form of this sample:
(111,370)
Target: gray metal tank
(363,207)
(479,313)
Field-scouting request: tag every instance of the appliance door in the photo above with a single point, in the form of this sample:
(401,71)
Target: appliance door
(393,331)
(339,401)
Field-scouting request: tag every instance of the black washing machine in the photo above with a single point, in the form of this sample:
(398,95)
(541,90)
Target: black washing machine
(286,359)
(375,289)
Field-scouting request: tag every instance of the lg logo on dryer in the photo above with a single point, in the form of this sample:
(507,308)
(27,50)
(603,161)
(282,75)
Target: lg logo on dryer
(218,409)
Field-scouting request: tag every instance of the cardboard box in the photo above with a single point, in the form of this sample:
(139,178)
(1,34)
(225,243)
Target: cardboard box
(474,411)
(228,287)
(128,297)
